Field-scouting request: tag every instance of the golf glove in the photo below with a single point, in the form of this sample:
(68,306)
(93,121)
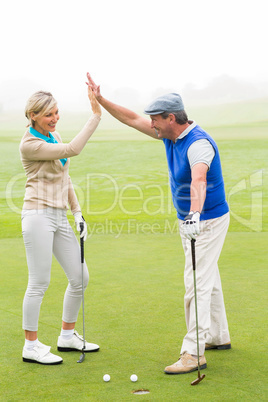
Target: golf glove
(190,225)
(79,219)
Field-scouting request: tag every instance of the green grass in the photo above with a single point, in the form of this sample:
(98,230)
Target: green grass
(134,303)
(119,180)
(134,310)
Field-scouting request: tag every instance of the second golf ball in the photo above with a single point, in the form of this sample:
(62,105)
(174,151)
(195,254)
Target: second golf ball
(106,377)
(133,378)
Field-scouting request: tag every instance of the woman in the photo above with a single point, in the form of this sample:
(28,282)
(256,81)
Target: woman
(45,227)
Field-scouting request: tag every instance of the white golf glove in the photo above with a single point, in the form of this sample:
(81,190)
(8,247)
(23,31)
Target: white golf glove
(79,219)
(190,225)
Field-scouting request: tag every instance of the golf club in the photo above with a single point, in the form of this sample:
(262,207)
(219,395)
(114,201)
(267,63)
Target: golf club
(82,357)
(199,378)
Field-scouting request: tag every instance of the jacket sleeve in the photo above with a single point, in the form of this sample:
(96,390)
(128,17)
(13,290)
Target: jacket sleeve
(37,150)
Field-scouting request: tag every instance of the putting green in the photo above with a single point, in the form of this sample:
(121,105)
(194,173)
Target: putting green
(134,302)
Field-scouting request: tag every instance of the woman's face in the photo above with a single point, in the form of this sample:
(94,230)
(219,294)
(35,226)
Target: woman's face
(47,123)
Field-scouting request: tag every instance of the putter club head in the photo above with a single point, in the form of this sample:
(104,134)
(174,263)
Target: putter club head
(82,358)
(197,381)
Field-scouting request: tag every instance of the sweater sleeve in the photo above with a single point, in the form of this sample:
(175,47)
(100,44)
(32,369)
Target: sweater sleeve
(41,150)
(72,198)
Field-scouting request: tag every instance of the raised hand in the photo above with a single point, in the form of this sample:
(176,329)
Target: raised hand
(95,88)
(95,106)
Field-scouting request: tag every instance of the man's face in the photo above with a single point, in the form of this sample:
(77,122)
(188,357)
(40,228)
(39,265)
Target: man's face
(162,126)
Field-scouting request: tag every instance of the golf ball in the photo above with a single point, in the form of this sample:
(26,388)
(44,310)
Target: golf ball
(134,378)
(106,377)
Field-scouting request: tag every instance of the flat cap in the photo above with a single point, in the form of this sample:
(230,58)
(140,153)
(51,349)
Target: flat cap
(166,103)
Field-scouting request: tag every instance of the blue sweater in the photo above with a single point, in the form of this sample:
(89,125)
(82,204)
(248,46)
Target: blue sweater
(180,177)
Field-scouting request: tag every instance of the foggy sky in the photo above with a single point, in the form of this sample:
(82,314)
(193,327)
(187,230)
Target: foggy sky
(209,51)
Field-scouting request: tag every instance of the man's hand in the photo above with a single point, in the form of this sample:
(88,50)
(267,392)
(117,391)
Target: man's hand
(95,88)
(121,113)
(78,219)
(190,225)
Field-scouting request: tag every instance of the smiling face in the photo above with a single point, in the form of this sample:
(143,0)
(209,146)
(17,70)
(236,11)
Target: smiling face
(162,126)
(46,123)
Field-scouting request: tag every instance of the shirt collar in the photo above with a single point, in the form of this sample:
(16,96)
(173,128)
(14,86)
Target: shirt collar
(36,133)
(186,131)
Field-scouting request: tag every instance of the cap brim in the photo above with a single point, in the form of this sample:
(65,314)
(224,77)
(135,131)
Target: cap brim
(154,112)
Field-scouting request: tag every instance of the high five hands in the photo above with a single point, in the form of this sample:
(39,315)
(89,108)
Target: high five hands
(92,90)
(94,87)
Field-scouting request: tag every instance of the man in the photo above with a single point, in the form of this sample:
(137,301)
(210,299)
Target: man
(198,195)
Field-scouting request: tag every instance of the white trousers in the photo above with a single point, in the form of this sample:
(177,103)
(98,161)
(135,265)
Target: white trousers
(212,320)
(46,232)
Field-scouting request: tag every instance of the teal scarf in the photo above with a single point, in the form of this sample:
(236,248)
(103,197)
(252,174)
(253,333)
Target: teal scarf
(49,139)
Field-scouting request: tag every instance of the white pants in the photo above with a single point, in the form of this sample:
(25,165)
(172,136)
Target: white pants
(212,321)
(46,232)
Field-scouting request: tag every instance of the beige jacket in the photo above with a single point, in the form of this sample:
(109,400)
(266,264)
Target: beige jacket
(48,182)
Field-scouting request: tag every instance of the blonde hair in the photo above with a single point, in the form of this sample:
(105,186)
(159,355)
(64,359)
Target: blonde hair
(40,103)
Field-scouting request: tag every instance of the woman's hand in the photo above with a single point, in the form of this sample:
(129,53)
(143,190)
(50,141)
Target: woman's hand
(95,88)
(95,106)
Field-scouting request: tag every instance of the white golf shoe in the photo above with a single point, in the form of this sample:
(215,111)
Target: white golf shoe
(76,343)
(40,354)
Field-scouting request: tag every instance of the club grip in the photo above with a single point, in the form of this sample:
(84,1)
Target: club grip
(82,242)
(193,252)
